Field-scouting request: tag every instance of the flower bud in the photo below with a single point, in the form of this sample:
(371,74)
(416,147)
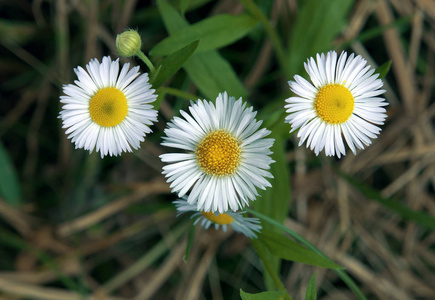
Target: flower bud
(128,43)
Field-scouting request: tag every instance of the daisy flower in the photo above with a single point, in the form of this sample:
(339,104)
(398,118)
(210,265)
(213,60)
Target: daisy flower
(239,223)
(108,110)
(226,157)
(342,100)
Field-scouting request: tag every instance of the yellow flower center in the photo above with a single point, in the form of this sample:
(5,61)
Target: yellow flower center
(334,103)
(218,153)
(108,107)
(221,219)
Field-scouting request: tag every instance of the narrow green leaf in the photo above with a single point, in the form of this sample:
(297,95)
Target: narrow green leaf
(171,64)
(311,289)
(213,33)
(383,69)
(407,213)
(288,249)
(271,295)
(10,189)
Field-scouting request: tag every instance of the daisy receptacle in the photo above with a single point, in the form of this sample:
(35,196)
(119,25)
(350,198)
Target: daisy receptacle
(108,110)
(342,100)
(226,156)
(235,220)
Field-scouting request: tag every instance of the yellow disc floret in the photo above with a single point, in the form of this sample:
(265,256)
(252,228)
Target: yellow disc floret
(334,103)
(221,219)
(108,107)
(218,153)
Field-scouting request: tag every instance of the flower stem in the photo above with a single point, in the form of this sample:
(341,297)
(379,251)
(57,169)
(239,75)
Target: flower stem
(145,59)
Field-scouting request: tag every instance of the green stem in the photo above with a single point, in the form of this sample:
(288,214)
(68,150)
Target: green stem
(271,32)
(342,274)
(262,255)
(145,59)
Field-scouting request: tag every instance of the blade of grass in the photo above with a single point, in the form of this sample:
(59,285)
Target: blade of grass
(147,259)
(405,212)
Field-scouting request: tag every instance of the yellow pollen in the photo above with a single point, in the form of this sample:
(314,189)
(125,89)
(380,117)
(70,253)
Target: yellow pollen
(218,153)
(108,107)
(221,219)
(334,103)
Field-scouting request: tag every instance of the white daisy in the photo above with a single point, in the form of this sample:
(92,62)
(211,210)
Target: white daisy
(227,156)
(343,99)
(108,110)
(247,226)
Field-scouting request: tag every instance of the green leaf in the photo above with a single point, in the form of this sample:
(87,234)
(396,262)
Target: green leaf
(171,64)
(155,75)
(311,289)
(275,202)
(271,295)
(268,268)
(343,275)
(172,19)
(10,189)
(213,74)
(189,243)
(214,32)
(383,69)
(406,213)
(184,4)
(288,249)
(210,72)
(317,24)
